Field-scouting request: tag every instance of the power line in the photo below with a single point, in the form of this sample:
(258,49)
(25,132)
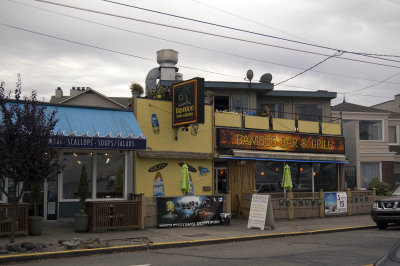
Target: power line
(195,46)
(109,50)
(301,73)
(250,20)
(366,95)
(144,58)
(247,31)
(380,82)
(212,34)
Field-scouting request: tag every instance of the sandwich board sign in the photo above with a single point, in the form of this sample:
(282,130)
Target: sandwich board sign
(261,213)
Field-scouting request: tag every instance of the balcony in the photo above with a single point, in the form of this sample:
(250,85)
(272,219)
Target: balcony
(280,122)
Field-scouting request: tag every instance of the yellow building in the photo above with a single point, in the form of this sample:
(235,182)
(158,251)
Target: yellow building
(158,169)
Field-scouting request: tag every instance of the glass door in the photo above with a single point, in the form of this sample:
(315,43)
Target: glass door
(51,199)
(221,180)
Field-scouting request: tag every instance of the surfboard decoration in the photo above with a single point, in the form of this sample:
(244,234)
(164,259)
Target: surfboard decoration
(158,186)
(154,124)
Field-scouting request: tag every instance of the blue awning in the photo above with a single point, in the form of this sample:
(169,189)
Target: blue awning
(82,127)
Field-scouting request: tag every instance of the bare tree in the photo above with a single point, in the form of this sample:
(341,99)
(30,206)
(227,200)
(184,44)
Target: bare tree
(26,156)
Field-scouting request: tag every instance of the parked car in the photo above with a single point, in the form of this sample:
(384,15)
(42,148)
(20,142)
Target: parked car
(387,210)
(392,257)
(268,187)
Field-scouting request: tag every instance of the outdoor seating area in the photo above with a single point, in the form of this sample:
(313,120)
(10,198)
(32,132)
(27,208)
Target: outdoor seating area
(309,204)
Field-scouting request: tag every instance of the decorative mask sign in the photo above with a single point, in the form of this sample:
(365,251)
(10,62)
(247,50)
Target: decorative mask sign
(188,102)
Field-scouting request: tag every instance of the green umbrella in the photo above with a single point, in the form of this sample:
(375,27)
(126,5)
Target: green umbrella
(287,178)
(185,185)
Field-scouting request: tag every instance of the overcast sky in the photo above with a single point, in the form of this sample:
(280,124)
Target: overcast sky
(361,26)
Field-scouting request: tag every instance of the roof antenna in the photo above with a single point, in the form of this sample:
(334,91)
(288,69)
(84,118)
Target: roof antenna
(344,98)
(249,75)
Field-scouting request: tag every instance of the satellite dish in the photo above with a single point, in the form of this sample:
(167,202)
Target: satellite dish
(266,78)
(249,74)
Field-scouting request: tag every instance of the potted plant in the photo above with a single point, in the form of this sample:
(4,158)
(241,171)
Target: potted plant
(136,89)
(35,222)
(81,218)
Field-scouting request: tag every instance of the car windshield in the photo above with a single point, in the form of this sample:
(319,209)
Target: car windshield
(396,192)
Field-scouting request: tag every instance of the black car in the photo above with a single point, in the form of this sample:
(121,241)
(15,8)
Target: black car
(387,210)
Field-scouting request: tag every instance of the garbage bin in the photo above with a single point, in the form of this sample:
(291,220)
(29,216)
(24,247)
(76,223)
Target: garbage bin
(225,218)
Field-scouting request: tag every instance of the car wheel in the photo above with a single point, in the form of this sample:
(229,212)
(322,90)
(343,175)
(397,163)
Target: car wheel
(382,226)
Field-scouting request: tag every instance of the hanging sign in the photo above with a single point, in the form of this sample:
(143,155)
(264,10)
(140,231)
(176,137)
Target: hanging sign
(188,102)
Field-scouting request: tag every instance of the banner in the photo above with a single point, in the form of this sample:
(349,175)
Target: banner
(278,141)
(335,202)
(189,211)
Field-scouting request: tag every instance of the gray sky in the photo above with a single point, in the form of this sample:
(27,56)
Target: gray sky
(362,26)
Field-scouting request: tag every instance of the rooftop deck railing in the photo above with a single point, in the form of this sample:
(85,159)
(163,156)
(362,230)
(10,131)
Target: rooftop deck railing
(276,121)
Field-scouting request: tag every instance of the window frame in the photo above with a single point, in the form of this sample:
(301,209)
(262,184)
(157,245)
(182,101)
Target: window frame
(93,196)
(396,135)
(361,177)
(371,140)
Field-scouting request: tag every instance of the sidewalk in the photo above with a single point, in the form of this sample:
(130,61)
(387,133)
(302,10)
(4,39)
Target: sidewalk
(55,232)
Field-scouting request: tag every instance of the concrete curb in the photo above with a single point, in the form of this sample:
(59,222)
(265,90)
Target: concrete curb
(142,247)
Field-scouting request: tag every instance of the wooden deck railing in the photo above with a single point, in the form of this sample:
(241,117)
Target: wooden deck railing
(115,215)
(308,204)
(21,226)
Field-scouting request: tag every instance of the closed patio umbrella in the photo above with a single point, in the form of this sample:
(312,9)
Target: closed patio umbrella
(287,179)
(185,185)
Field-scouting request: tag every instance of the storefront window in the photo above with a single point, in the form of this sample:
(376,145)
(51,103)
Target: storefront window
(73,162)
(110,175)
(325,176)
(301,176)
(269,177)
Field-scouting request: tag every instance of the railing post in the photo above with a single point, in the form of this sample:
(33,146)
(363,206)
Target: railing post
(349,202)
(290,209)
(142,211)
(322,206)
(373,194)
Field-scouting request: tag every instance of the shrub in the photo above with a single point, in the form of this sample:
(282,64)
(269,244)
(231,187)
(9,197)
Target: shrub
(382,188)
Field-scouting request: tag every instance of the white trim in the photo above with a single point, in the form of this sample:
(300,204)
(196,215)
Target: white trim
(371,140)
(94,175)
(125,193)
(396,134)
